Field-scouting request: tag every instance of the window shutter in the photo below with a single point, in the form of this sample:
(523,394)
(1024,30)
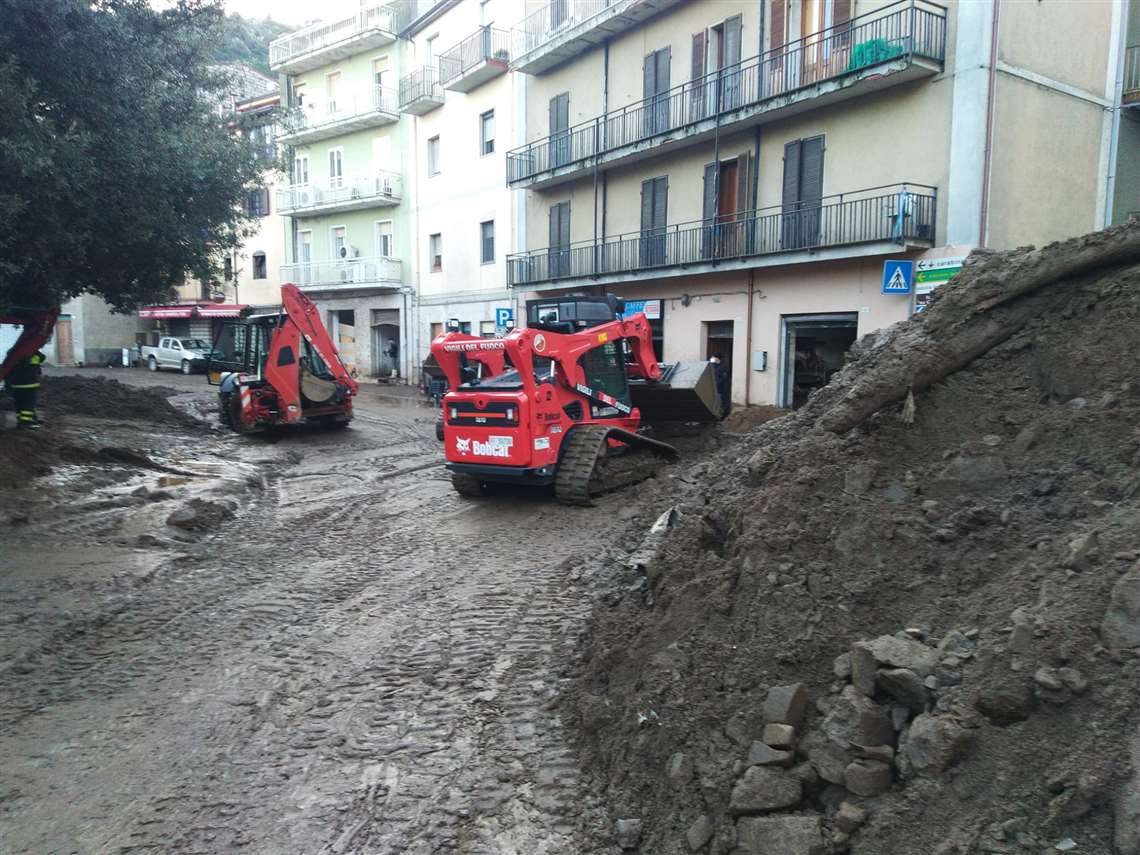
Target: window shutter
(647,204)
(697,70)
(555,231)
(732,41)
(564,223)
(744,182)
(709,210)
(840,11)
(776,33)
(792,173)
(811,171)
(265,201)
(660,201)
(664,65)
(649,76)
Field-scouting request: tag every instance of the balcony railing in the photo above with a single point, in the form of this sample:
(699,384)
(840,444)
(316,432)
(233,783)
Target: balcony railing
(348,273)
(1131,90)
(537,28)
(903,30)
(894,213)
(421,85)
(356,192)
(485,45)
(379,105)
(324,34)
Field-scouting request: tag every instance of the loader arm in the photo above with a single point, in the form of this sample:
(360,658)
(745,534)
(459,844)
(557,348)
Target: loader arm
(38,325)
(282,364)
(453,350)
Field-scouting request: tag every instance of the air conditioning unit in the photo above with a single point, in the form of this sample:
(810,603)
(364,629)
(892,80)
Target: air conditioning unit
(349,252)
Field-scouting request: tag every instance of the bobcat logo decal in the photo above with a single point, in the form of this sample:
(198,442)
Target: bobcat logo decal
(462,445)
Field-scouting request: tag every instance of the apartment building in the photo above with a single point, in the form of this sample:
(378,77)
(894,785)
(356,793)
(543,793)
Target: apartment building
(349,236)
(459,95)
(748,171)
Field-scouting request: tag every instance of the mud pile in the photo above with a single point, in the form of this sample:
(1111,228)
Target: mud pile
(906,618)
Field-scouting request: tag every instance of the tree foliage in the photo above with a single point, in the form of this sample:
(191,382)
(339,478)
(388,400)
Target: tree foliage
(120,176)
(246,40)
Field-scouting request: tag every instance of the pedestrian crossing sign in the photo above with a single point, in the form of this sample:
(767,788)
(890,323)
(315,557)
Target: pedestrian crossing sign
(898,276)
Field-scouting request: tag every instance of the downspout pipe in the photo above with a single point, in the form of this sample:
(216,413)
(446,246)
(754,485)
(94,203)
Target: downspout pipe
(1114,138)
(598,143)
(987,158)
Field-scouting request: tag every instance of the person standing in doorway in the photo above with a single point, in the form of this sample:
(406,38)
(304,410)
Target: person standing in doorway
(24,384)
(720,375)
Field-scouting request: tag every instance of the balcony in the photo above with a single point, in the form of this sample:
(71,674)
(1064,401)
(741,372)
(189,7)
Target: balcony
(421,92)
(328,41)
(349,274)
(303,125)
(564,29)
(890,46)
(1130,94)
(381,190)
(475,60)
(864,222)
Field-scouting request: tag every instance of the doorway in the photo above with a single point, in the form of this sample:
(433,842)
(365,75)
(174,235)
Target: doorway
(386,342)
(718,342)
(342,328)
(814,348)
(64,342)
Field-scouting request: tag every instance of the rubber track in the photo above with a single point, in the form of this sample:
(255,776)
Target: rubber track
(579,459)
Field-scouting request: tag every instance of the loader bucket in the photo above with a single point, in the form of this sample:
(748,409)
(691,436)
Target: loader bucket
(686,392)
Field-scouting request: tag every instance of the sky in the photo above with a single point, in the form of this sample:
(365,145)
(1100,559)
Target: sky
(291,12)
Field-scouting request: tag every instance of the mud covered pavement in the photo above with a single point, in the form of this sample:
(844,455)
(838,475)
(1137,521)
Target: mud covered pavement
(307,644)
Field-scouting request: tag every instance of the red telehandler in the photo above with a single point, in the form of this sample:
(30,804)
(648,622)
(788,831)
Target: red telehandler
(567,408)
(280,368)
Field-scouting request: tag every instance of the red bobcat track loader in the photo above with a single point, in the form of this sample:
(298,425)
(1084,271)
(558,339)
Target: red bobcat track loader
(280,368)
(569,403)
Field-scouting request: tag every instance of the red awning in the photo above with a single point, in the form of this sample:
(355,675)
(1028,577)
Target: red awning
(166,312)
(221,310)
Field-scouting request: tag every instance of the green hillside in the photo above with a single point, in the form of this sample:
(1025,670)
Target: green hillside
(246,40)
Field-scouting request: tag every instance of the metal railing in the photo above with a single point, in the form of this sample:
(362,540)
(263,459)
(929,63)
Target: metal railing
(895,212)
(375,269)
(325,33)
(484,44)
(383,185)
(905,29)
(380,100)
(539,27)
(1131,90)
(421,83)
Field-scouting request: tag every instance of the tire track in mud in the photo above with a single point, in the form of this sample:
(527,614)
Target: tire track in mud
(374,676)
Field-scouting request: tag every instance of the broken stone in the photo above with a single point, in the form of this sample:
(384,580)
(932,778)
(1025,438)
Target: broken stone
(878,753)
(763,788)
(679,769)
(850,817)
(964,475)
(842,666)
(900,715)
(856,719)
(779,835)
(867,778)
(891,651)
(762,754)
(858,479)
(904,686)
(627,833)
(1073,679)
(828,759)
(1121,625)
(1005,702)
(805,773)
(699,833)
(141,491)
(934,744)
(1051,688)
(1081,551)
(955,643)
(780,735)
(864,668)
(786,705)
(199,514)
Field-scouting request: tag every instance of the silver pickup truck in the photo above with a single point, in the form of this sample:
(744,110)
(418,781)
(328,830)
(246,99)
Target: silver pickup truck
(185,354)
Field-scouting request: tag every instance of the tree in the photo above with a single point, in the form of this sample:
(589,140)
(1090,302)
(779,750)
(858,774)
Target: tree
(120,177)
(246,40)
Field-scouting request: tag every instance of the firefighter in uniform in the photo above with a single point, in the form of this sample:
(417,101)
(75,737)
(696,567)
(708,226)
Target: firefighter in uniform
(24,384)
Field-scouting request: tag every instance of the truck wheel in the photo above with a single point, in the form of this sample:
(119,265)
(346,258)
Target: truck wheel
(152,363)
(439,429)
(186,366)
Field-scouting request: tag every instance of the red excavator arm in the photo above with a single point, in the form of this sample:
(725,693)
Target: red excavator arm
(37,324)
(303,319)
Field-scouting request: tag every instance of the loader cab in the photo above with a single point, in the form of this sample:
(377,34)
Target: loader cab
(567,315)
(241,347)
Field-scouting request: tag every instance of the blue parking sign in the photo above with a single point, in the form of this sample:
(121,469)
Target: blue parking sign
(503,317)
(898,276)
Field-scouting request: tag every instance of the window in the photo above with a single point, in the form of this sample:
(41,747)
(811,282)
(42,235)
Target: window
(487,329)
(433,156)
(257,203)
(336,167)
(379,72)
(299,95)
(487,133)
(338,243)
(429,50)
(301,170)
(259,265)
(559,252)
(332,84)
(655,86)
(435,251)
(560,129)
(384,238)
(228,268)
(487,242)
(654,205)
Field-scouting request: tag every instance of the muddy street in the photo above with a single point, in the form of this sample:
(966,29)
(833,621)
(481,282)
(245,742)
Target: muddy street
(346,657)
